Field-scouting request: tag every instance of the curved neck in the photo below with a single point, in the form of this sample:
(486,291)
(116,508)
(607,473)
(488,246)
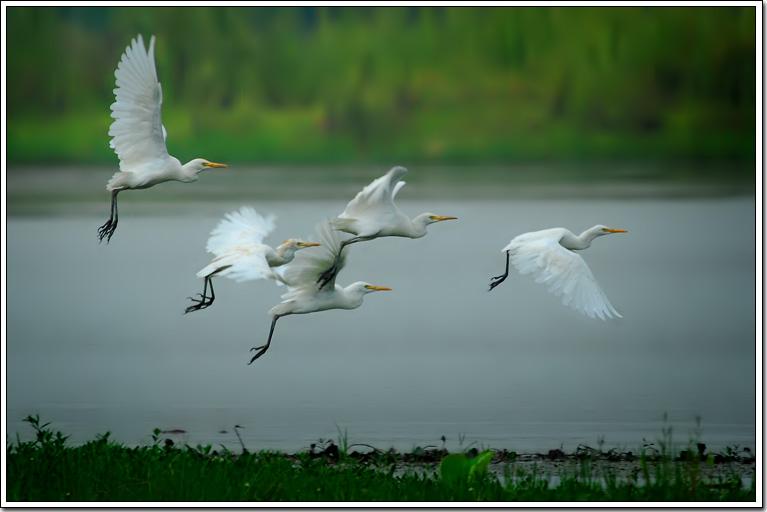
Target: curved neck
(190,170)
(418,225)
(281,255)
(579,242)
(352,297)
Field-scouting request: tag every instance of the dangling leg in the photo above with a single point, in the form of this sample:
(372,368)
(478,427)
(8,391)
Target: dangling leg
(204,301)
(326,276)
(495,281)
(108,228)
(264,348)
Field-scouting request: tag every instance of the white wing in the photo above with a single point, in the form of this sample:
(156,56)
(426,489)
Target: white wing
(564,272)
(137,131)
(237,243)
(302,274)
(377,197)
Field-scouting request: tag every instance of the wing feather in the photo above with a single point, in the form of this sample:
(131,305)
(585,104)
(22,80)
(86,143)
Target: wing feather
(137,131)
(377,196)
(564,273)
(302,274)
(237,243)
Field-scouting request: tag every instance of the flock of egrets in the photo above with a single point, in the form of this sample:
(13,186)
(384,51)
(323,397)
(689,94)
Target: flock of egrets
(237,243)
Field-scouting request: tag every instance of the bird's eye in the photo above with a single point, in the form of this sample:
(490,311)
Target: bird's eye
(606,230)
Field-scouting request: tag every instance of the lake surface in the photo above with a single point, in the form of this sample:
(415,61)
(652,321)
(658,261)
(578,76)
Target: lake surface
(97,340)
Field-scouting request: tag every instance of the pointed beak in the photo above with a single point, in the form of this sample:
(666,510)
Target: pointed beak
(617,231)
(439,218)
(377,288)
(308,244)
(214,165)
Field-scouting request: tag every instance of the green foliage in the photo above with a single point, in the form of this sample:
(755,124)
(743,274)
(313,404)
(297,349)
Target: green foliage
(103,470)
(427,84)
(458,469)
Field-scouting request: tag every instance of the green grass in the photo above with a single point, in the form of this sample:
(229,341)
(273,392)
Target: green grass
(46,469)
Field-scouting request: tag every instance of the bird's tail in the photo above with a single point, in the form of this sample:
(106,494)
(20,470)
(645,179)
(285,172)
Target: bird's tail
(118,181)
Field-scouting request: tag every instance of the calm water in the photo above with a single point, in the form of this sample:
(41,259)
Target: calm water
(97,340)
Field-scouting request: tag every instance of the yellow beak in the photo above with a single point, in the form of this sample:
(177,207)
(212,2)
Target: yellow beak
(617,231)
(377,288)
(438,218)
(308,244)
(214,165)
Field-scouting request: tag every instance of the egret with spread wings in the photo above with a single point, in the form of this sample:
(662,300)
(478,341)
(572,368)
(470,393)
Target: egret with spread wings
(138,136)
(373,214)
(549,256)
(237,244)
(305,295)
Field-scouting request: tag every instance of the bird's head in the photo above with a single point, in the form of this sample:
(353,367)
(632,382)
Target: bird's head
(364,288)
(198,165)
(430,218)
(600,230)
(294,244)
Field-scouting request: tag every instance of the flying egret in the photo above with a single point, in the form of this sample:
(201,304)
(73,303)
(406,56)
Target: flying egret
(138,135)
(240,254)
(373,214)
(549,256)
(305,295)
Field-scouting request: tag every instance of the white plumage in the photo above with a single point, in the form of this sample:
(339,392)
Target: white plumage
(238,248)
(373,214)
(239,252)
(137,133)
(548,255)
(137,130)
(306,295)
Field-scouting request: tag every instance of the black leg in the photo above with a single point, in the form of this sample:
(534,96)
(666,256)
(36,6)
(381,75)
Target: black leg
(495,281)
(263,348)
(107,229)
(204,301)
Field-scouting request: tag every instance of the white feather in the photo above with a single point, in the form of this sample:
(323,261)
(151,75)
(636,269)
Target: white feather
(137,132)
(302,274)
(237,243)
(564,272)
(373,208)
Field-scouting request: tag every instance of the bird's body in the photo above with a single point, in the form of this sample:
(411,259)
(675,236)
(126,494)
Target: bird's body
(240,254)
(549,255)
(305,295)
(373,214)
(138,136)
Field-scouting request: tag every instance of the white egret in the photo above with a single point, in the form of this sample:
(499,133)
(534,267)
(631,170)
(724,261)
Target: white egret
(373,214)
(240,254)
(305,295)
(549,256)
(138,136)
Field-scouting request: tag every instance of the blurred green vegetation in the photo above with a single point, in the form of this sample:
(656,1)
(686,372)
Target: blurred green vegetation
(395,85)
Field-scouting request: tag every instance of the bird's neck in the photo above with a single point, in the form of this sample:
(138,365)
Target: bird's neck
(418,226)
(352,297)
(285,253)
(579,242)
(189,172)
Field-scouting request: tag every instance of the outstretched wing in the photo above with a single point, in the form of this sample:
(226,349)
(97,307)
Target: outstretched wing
(237,243)
(564,272)
(137,131)
(302,274)
(377,197)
